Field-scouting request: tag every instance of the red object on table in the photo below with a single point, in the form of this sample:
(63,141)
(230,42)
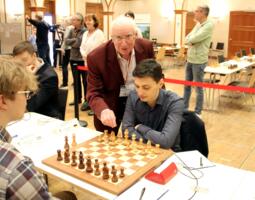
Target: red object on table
(166,175)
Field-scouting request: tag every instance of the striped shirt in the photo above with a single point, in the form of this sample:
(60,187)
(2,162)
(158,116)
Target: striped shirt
(18,177)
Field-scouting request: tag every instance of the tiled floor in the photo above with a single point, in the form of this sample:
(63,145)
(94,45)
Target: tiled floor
(230,129)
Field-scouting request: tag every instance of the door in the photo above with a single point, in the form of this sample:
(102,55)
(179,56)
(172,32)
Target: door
(190,23)
(241,32)
(97,9)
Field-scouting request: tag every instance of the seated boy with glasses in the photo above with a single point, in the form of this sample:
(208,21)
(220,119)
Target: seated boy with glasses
(18,178)
(153,113)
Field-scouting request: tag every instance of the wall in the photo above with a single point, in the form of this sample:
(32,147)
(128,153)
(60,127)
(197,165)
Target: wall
(161,27)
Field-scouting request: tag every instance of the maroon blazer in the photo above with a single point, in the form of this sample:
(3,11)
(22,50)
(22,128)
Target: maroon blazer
(105,76)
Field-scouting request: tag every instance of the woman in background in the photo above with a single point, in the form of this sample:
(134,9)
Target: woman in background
(91,39)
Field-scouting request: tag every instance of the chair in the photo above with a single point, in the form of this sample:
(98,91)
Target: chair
(243,52)
(219,50)
(221,59)
(160,57)
(250,83)
(62,99)
(193,134)
(252,51)
(220,46)
(238,54)
(179,58)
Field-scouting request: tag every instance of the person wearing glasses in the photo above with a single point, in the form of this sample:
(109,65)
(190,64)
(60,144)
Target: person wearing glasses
(45,101)
(19,179)
(110,73)
(16,85)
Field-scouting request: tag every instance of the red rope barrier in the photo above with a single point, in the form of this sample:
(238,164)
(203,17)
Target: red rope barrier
(198,84)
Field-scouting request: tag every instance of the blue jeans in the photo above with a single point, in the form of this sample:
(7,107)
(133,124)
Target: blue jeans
(194,72)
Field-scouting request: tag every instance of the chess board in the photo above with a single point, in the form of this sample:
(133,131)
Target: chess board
(134,162)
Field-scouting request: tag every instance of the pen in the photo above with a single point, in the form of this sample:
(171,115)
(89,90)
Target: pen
(162,194)
(142,193)
(201,162)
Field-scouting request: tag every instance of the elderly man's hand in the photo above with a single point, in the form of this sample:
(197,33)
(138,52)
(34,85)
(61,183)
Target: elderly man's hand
(108,118)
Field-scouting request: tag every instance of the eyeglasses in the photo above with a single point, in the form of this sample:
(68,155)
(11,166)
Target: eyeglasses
(28,94)
(118,38)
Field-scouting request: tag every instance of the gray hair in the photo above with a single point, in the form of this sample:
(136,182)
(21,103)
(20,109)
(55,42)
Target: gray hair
(205,9)
(78,16)
(123,20)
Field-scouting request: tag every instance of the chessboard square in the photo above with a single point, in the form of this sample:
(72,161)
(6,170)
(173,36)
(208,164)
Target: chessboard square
(118,162)
(93,143)
(130,154)
(138,157)
(121,147)
(95,148)
(94,154)
(124,158)
(110,159)
(122,152)
(126,165)
(81,149)
(129,172)
(151,156)
(132,160)
(141,163)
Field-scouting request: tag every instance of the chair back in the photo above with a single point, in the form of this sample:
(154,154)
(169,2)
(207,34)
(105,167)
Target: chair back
(243,52)
(238,54)
(252,51)
(193,134)
(161,53)
(221,58)
(252,80)
(62,99)
(220,46)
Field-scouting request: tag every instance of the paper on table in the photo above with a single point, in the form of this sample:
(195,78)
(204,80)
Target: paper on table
(194,161)
(153,191)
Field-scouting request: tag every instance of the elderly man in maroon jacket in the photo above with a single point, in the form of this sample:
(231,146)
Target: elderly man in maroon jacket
(110,73)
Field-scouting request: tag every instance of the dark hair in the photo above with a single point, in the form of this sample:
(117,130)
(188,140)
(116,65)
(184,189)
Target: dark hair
(148,68)
(94,18)
(130,14)
(22,47)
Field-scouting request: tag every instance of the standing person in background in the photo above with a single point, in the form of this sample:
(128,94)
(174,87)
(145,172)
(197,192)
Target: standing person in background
(42,30)
(66,51)
(132,15)
(198,40)
(91,39)
(32,38)
(110,73)
(74,40)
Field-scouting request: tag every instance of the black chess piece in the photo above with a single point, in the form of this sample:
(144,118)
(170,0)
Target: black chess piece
(59,158)
(89,168)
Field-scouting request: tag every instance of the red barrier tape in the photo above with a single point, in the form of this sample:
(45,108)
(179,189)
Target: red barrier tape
(198,84)
(210,85)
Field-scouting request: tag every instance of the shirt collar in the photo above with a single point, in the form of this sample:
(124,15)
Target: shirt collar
(160,99)
(120,58)
(4,135)
(39,66)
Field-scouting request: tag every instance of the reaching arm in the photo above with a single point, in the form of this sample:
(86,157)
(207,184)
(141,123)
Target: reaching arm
(129,121)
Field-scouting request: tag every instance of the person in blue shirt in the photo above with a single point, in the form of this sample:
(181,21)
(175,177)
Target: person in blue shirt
(153,113)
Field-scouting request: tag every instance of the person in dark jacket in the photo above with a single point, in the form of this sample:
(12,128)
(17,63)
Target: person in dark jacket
(42,28)
(45,101)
